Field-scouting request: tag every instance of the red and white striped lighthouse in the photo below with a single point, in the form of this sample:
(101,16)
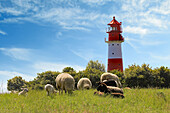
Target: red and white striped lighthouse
(114,45)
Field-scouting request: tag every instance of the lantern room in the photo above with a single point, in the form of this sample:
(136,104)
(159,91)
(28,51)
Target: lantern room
(114,30)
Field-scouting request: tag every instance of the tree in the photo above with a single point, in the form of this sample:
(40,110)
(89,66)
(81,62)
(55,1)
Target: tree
(68,69)
(95,65)
(16,83)
(161,77)
(139,76)
(44,78)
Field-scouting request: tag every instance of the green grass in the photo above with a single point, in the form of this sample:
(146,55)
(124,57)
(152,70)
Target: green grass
(135,101)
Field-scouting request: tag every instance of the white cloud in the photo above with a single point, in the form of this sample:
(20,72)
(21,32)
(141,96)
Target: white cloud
(2,32)
(135,30)
(129,41)
(12,11)
(6,75)
(59,34)
(154,21)
(48,66)
(164,8)
(96,2)
(86,54)
(142,13)
(17,53)
(3,87)
(162,58)
(11,74)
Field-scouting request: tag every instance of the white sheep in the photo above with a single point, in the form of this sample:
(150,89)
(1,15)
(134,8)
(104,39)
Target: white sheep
(23,92)
(50,89)
(14,91)
(65,81)
(84,83)
(110,76)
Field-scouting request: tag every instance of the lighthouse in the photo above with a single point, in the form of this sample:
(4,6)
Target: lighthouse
(115,39)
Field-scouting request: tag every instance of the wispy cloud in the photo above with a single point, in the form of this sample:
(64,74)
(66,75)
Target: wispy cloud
(129,41)
(11,74)
(58,34)
(17,53)
(2,32)
(86,54)
(158,57)
(46,66)
(143,14)
(163,8)
(12,11)
(6,75)
(96,2)
(135,30)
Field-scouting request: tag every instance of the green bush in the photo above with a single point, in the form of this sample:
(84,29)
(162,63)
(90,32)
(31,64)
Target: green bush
(16,83)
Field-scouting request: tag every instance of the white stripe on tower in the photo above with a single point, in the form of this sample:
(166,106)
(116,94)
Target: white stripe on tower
(114,50)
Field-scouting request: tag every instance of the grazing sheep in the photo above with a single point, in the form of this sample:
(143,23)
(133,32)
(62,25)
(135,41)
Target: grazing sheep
(23,92)
(110,82)
(84,83)
(14,91)
(115,89)
(109,89)
(110,76)
(117,95)
(102,87)
(127,88)
(65,81)
(50,89)
(98,93)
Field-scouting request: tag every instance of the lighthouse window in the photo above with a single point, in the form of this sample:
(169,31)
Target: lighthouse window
(113,28)
(112,53)
(118,44)
(112,44)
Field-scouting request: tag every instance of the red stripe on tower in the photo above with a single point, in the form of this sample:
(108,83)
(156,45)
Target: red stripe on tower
(114,45)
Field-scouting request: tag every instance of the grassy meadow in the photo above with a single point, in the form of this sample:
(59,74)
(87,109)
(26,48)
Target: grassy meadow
(135,101)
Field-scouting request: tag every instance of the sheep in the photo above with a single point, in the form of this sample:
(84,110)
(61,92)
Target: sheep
(84,83)
(109,89)
(102,87)
(117,95)
(65,81)
(110,82)
(98,93)
(127,88)
(23,92)
(115,89)
(110,76)
(14,91)
(50,89)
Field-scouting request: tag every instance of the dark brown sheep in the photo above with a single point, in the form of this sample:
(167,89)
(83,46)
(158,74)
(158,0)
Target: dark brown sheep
(98,93)
(102,87)
(118,95)
(109,83)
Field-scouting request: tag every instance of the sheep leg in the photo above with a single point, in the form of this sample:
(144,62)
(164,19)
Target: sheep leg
(47,93)
(59,91)
(62,89)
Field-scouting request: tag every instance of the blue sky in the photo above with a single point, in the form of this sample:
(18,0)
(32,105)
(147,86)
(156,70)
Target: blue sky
(41,35)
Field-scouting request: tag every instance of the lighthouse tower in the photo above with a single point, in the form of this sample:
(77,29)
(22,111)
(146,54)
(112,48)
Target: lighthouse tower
(114,45)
